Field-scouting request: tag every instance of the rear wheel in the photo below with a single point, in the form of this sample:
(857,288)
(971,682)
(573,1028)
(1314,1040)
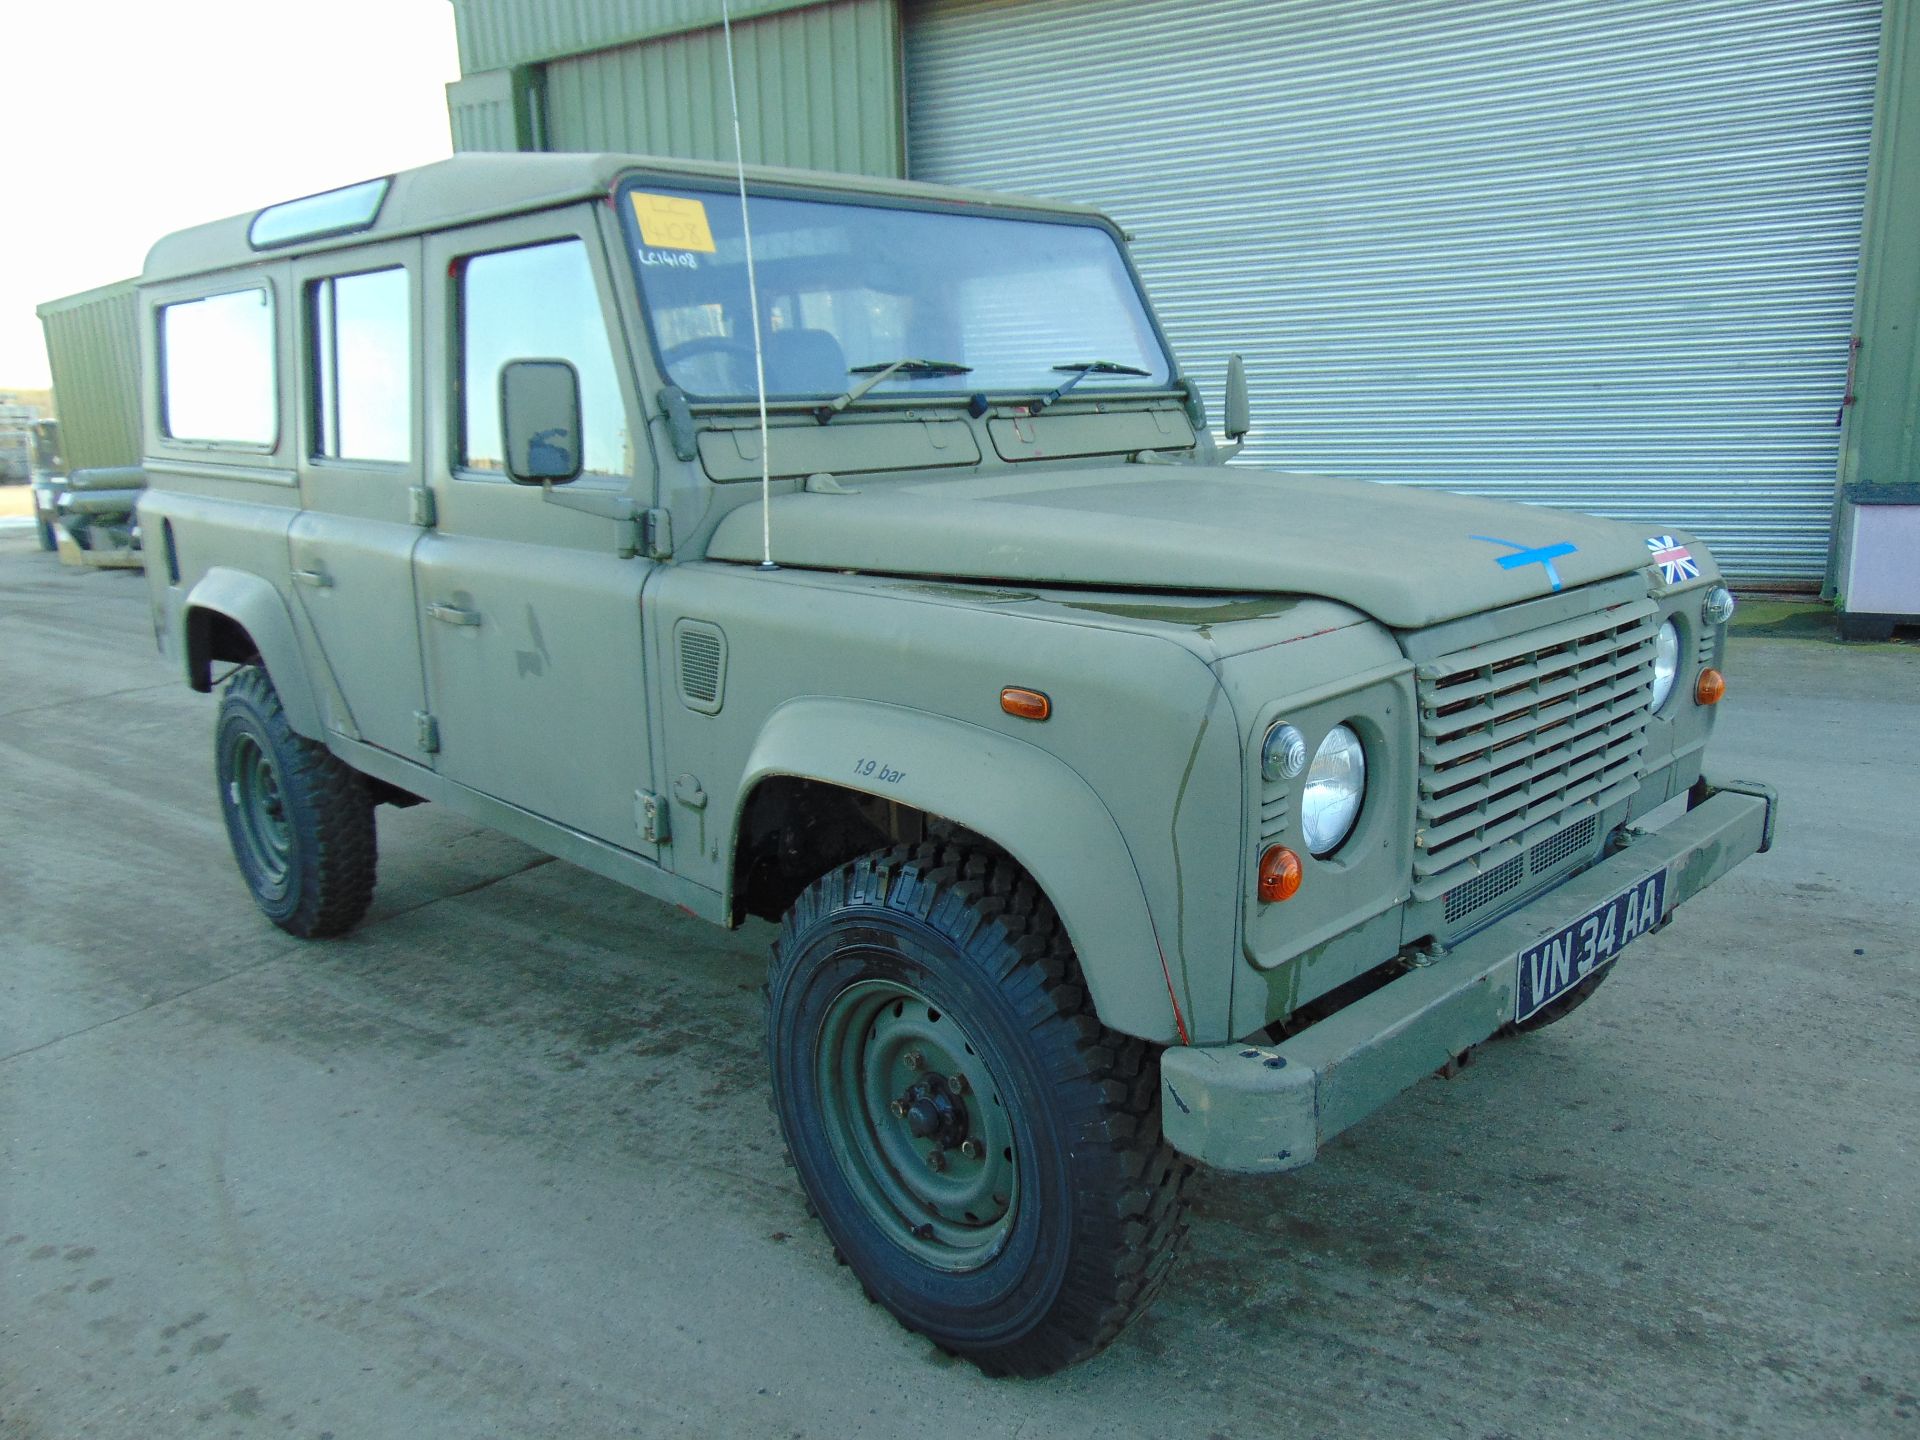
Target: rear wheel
(299,819)
(983,1153)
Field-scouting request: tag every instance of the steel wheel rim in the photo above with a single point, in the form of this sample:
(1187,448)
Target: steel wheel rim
(955,1217)
(260,807)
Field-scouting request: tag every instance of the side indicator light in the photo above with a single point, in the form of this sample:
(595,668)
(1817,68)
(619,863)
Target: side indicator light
(1280,874)
(1710,687)
(1026,704)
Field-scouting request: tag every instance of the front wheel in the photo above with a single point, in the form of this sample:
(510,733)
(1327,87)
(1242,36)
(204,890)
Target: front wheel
(982,1152)
(300,820)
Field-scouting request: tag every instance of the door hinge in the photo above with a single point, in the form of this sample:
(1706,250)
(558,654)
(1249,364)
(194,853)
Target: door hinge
(651,815)
(1847,397)
(428,732)
(656,530)
(421,508)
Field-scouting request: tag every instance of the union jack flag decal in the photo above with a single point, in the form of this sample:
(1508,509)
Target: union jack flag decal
(1676,562)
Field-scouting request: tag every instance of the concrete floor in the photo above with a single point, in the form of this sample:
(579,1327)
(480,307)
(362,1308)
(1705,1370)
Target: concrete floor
(498,1164)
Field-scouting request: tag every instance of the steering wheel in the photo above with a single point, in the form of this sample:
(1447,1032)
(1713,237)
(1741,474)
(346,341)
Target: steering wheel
(735,374)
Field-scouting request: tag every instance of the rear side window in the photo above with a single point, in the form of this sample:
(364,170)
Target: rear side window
(216,369)
(537,303)
(359,374)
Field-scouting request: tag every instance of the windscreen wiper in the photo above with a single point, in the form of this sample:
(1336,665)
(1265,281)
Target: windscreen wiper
(1082,369)
(882,370)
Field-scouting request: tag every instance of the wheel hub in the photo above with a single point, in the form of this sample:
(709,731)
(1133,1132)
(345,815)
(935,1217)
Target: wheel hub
(916,1121)
(934,1114)
(254,792)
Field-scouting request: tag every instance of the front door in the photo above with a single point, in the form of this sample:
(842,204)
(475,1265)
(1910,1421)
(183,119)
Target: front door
(351,545)
(531,616)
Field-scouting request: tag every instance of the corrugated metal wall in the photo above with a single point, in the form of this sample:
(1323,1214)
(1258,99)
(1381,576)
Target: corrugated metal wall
(1590,255)
(495,110)
(1882,442)
(93,349)
(496,34)
(819,88)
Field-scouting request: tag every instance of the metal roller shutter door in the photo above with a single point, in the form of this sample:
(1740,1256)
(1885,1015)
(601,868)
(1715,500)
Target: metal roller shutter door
(1600,256)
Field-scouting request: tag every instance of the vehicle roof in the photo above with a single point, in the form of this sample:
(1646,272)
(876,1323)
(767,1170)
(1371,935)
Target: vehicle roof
(474,187)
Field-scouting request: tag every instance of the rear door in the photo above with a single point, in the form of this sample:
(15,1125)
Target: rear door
(360,433)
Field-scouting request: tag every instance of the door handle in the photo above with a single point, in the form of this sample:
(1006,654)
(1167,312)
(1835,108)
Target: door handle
(453,614)
(319,579)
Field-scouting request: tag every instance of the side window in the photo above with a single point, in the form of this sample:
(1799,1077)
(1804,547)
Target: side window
(360,341)
(216,369)
(538,303)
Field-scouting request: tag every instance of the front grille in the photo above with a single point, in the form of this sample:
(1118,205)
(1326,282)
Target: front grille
(1484,889)
(1489,885)
(1524,736)
(1571,841)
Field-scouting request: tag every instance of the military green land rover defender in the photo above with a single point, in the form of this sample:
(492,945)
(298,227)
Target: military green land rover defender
(1120,809)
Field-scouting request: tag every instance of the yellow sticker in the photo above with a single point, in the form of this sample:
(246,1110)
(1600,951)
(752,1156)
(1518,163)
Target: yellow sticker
(670,223)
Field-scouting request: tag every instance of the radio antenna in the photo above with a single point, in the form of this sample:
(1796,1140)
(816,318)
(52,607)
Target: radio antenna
(753,304)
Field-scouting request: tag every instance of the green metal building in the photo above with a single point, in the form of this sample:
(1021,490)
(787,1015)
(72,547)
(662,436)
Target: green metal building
(1659,261)
(93,350)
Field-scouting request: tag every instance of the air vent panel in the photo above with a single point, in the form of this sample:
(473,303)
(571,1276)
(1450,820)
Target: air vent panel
(701,648)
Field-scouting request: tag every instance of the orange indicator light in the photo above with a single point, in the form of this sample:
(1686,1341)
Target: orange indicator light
(1280,874)
(1027,704)
(1710,687)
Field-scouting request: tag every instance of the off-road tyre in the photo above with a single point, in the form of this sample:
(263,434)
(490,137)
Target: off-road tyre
(957,944)
(1566,1004)
(300,820)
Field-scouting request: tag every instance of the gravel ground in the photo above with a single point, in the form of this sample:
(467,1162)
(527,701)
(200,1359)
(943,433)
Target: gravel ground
(498,1164)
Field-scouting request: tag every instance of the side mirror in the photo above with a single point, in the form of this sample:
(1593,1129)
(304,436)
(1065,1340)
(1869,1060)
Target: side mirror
(540,420)
(1239,412)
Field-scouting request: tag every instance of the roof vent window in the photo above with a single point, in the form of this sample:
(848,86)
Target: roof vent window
(316,217)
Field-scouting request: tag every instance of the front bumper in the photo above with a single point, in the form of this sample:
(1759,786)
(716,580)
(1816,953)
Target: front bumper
(1255,1109)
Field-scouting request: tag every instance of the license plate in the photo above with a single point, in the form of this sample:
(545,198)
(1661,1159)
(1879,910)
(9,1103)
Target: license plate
(1561,961)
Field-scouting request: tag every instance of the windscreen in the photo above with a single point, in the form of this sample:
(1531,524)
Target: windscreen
(844,286)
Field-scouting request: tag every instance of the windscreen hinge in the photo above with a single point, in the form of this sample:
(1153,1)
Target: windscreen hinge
(680,427)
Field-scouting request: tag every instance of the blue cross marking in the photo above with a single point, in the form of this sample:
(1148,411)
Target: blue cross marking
(1541,555)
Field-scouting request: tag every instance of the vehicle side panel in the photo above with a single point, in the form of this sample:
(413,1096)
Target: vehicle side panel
(1138,720)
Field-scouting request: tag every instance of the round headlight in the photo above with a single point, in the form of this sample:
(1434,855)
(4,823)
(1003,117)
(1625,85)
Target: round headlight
(1335,783)
(1666,662)
(1717,608)
(1283,754)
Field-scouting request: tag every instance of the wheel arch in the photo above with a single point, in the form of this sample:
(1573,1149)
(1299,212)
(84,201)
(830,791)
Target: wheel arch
(1021,798)
(231,615)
